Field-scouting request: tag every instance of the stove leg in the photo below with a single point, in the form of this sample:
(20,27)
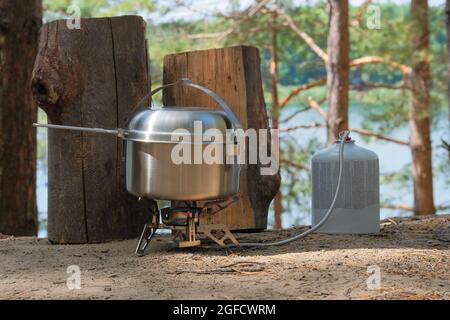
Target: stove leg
(189,238)
(147,234)
(208,230)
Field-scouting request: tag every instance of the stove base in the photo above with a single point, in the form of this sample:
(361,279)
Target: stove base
(185,223)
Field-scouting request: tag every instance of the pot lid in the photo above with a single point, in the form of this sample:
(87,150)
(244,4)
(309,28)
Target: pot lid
(174,124)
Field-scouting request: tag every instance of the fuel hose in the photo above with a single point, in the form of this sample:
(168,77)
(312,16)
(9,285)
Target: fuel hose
(343,135)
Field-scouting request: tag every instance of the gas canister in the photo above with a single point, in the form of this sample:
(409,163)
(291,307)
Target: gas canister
(357,209)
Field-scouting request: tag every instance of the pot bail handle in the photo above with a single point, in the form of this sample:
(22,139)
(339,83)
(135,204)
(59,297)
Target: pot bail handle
(216,98)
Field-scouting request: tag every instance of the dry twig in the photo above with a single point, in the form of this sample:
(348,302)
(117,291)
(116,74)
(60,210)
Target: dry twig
(242,267)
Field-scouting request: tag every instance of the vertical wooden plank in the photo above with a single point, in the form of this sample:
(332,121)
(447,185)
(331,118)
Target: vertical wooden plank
(228,72)
(91,77)
(98,109)
(66,212)
(132,76)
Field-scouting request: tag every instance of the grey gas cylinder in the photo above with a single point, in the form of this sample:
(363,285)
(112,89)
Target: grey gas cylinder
(357,209)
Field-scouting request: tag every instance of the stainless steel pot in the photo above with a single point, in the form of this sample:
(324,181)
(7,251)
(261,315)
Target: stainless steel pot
(150,138)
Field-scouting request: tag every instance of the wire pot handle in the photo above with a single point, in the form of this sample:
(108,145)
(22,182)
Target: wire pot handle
(188,82)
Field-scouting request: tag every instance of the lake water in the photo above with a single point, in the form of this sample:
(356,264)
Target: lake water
(392,157)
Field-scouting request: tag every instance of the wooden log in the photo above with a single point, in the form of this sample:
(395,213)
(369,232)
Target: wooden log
(234,74)
(19,30)
(91,77)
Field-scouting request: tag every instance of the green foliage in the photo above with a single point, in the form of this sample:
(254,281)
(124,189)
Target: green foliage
(297,63)
(98,8)
(173,37)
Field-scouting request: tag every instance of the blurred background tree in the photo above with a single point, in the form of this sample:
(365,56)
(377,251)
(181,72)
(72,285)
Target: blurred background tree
(19,29)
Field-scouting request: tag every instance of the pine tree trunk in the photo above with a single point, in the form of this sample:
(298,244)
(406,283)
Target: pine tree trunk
(19,29)
(337,68)
(278,206)
(419,110)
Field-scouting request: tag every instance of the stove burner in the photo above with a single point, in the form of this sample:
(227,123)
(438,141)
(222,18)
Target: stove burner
(186,224)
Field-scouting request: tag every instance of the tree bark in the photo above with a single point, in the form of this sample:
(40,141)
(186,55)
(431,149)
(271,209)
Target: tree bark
(419,110)
(234,74)
(91,77)
(278,205)
(19,29)
(337,68)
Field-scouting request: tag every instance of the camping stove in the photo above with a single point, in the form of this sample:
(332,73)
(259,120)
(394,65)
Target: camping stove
(184,221)
(151,172)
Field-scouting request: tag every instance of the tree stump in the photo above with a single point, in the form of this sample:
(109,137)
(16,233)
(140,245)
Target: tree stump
(234,74)
(91,77)
(19,30)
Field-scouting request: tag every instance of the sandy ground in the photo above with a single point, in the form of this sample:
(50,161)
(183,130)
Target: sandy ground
(413,264)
